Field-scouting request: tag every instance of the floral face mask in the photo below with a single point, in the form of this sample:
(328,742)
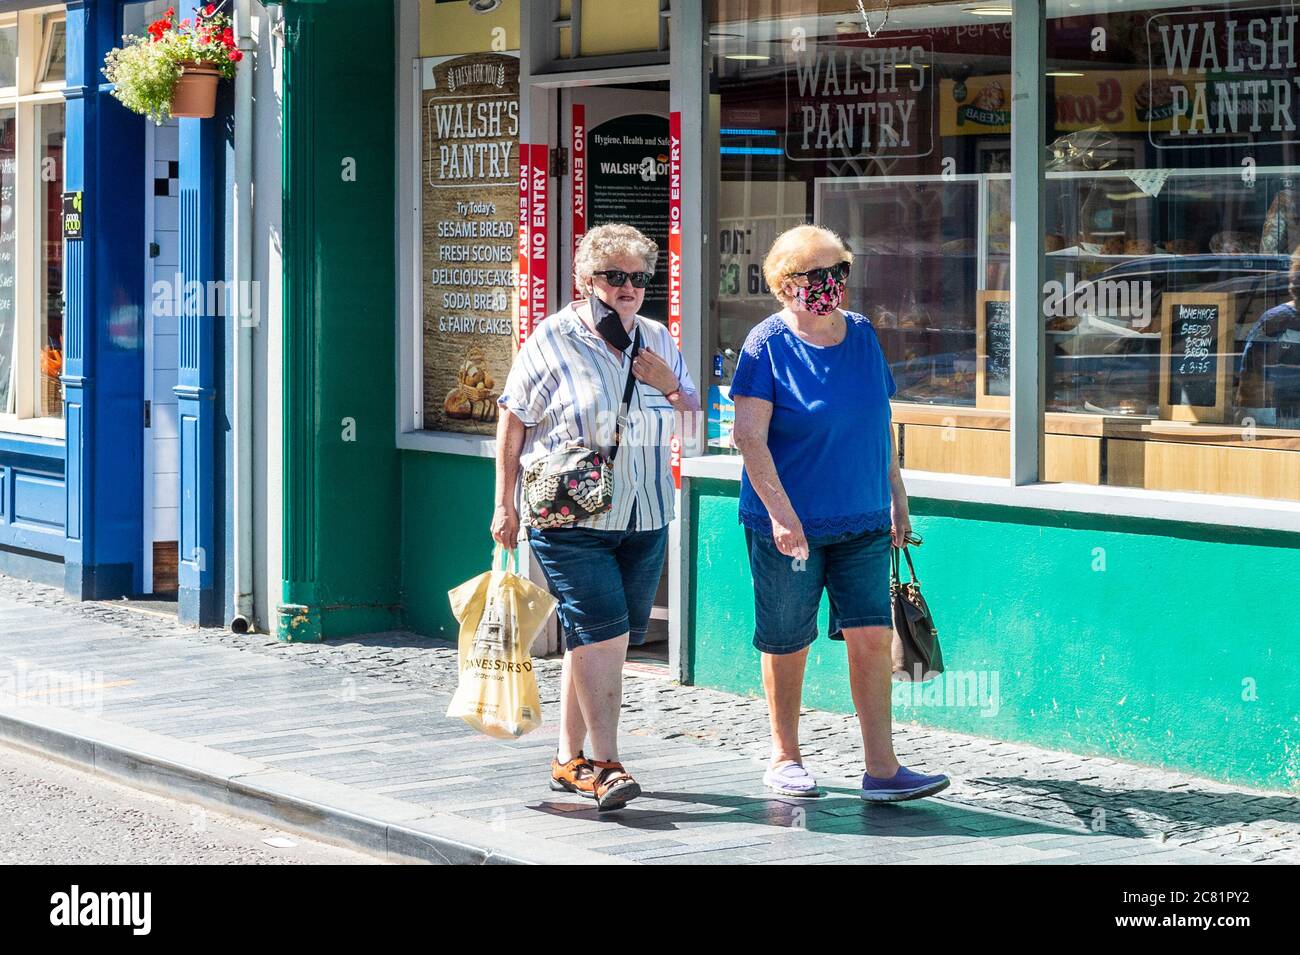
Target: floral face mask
(820,298)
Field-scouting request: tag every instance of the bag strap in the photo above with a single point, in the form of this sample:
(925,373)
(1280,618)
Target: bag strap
(627,398)
(511,557)
(894,576)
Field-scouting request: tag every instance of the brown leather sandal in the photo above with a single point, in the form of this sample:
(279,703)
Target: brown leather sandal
(575,776)
(614,786)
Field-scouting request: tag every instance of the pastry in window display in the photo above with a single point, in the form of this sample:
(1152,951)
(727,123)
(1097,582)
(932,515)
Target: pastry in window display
(1181,246)
(1234,243)
(1114,245)
(882,317)
(914,314)
(1053,242)
(1138,247)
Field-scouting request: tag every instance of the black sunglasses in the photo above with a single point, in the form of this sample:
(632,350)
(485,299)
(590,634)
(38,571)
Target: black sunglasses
(616,277)
(838,271)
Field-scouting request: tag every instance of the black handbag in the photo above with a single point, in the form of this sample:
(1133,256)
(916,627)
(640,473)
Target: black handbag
(575,482)
(916,652)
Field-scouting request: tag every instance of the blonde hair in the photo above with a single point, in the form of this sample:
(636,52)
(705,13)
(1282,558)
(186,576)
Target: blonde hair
(791,251)
(606,242)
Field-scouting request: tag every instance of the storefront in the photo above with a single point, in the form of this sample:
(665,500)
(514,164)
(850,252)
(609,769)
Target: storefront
(126,283)
(1073,225)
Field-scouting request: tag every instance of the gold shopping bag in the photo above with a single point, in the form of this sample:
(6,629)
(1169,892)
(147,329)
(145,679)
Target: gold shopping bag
(500,615)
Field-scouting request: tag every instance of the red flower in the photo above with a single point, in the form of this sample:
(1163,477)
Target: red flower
(210,9)
(170,14)
(236,56)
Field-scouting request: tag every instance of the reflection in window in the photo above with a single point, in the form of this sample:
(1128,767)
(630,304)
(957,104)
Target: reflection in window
(1172,211)
(898,141)
(8,56)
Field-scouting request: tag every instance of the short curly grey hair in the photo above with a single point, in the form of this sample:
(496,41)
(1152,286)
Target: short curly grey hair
(606,242)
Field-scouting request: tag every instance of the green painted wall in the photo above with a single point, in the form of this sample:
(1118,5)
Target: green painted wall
(1165,644)
(446,516)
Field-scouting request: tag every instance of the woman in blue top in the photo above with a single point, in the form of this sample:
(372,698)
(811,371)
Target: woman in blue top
(820,498)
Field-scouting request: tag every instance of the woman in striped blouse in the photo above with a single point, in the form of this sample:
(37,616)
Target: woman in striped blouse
(565,386)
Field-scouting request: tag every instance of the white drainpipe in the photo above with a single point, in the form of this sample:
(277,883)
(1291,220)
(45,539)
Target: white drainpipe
(244,327)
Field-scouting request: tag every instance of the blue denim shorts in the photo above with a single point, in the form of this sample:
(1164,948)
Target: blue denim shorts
(605,581)
(853,569)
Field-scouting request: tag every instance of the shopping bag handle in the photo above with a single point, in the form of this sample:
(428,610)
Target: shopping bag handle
(511,555)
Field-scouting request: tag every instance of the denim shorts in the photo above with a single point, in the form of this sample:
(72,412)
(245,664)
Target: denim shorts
(853,568)
(605,581)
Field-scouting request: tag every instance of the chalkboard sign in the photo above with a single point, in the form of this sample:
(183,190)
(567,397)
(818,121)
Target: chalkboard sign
(1196,341)
(993,349)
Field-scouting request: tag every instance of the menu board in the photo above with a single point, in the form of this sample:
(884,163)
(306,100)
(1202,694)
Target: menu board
(1194,356)
(469,207)
(627,181)
(993,349)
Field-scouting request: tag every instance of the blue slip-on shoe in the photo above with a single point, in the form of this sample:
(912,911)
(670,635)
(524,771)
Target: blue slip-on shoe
(791,779)
(904,784)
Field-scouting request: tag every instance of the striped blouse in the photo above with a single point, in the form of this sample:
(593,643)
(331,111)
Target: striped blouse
(565,386)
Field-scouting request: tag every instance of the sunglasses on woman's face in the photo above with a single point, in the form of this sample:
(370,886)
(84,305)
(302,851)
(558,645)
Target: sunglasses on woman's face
(616,277)
(838,271)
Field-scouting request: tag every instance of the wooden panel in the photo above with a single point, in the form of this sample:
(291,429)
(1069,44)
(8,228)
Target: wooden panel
(166,555)
(1164,466)
(1071,459)
(956,450)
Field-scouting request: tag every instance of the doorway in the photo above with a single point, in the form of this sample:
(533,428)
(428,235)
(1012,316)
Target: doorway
(161,360)
(613,167)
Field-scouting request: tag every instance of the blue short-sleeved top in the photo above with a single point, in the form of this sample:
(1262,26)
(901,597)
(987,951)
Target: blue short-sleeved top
(830,429)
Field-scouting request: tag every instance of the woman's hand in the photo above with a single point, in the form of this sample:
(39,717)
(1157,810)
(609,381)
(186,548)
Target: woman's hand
(654,371)
(789,537)
(902,520)
(505,526)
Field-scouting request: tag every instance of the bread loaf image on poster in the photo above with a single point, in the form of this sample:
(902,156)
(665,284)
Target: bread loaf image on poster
(474,397)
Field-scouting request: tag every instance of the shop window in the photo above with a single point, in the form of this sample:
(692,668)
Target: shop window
(50,127)
(8,57)
(1172,210)
(32,126)
(54,49)
(894,131)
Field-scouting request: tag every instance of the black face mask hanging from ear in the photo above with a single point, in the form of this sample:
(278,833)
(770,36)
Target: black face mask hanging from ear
(608,324)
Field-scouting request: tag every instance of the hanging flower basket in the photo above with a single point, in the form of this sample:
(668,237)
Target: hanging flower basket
(173,72)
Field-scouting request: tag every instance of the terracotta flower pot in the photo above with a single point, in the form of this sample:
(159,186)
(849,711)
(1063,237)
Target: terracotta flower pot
(195,95)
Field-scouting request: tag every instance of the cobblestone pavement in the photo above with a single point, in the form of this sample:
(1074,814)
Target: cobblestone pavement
(54,814)
(1113,811)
